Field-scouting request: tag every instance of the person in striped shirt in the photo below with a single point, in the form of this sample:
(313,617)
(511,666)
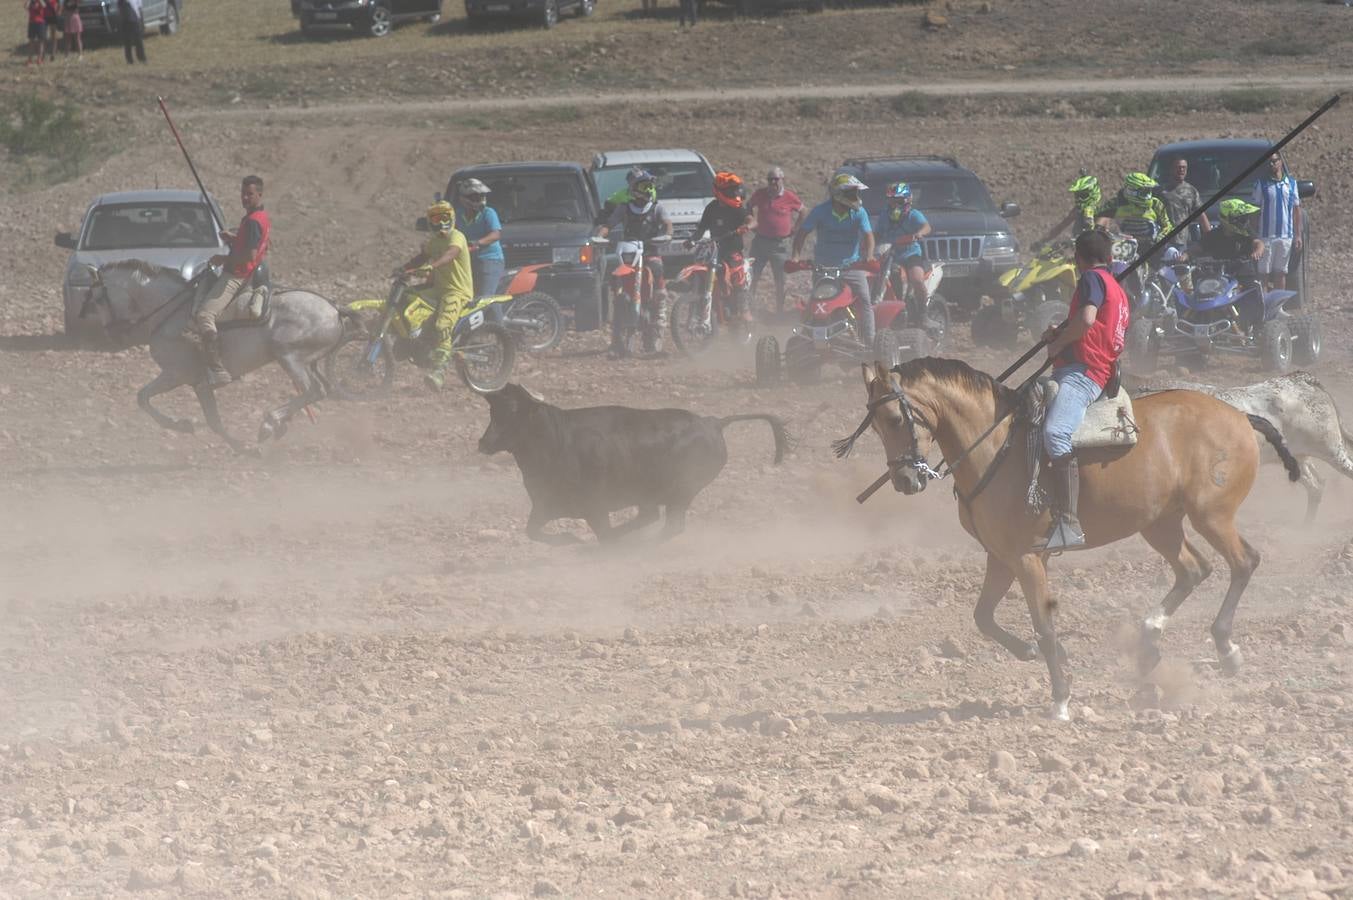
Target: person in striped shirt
(1279,222)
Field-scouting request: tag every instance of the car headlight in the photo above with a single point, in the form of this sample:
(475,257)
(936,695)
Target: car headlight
(999,245)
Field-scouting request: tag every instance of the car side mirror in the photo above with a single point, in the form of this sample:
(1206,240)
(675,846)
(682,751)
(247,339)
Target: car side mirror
(65,240)
(422,224)
(1305,189)
(1009,209)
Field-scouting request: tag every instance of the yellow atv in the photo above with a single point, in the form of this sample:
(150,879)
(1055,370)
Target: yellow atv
(1032,296)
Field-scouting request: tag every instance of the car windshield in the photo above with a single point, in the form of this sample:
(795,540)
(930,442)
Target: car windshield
(141,226)
(934,195)
(676,180)
(1209,170)
(537,197)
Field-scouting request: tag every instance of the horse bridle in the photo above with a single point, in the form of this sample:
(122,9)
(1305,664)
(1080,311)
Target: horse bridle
(913,459)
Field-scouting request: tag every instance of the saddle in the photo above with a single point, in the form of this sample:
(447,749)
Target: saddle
(1108,421)
(252,306)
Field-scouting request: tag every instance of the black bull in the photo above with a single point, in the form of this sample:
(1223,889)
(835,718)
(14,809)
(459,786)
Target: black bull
(587,463)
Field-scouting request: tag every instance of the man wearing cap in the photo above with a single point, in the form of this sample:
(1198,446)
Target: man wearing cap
(778,212)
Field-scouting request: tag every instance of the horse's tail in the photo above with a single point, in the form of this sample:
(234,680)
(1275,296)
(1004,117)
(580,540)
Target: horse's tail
(1275,437)
(783,441)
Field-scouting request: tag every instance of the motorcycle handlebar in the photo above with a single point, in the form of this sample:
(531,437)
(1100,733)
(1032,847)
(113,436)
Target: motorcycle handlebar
(865,265)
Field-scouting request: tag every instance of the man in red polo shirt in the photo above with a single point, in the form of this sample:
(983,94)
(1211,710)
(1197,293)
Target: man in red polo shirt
(778,212)
(248,248)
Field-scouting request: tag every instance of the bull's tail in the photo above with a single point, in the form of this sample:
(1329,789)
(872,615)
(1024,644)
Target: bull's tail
(1275,437)
(783,441)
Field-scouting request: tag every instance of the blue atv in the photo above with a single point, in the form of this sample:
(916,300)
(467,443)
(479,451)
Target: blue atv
(1197,309)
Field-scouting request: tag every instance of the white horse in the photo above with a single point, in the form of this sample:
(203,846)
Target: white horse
(142,301)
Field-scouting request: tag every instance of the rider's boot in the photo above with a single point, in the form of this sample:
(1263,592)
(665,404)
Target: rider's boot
(916,307)
(1065,532)
(436,377)
(217,374)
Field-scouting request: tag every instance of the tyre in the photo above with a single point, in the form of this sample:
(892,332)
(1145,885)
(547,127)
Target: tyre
(549,14)
(1049,312)
(1275,345)
(767,361)
(379,22)
(690,333)
(990,328)
(1141,350)
(541,325)
(1306,339)
(171,20)
(937,320)
(912,343)
(586,8)
(887,349)
(485,356)
(434,18)
(359,370)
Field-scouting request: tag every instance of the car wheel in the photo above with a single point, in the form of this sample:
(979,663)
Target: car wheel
(379,23)
(549,14)
(586,8)
(434,18)
(171,20)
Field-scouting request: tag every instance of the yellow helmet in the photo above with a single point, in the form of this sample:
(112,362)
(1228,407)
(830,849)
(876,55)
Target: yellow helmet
(441,217)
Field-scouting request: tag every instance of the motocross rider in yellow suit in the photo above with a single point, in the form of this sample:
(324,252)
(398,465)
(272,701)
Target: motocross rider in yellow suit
(450,284)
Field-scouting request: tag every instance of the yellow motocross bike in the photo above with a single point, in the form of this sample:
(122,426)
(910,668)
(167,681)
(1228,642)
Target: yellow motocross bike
(400,328)
(1032,296)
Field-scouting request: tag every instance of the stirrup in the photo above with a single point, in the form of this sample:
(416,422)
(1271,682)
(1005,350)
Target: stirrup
(1063,535)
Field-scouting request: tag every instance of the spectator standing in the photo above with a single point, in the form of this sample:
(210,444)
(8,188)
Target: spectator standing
(131,26)
(75,28)
(687,13)
(51,13)
(778,212)
(37,30)
(482,228)
(1181,199)
(1279,223)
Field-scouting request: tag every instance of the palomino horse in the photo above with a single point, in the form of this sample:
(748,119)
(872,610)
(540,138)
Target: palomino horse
(1195,457)
(299,329)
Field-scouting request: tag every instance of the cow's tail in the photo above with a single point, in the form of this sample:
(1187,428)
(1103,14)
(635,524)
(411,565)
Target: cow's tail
(1275,437)
(783,442)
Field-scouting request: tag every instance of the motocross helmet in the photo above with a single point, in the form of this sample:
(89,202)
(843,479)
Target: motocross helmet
(1139,186)
(728,189)
(1086,190)
(637,173)
(1234,213)
(643,196)
(474,192)
(845,189)
(899,199)
(441,217)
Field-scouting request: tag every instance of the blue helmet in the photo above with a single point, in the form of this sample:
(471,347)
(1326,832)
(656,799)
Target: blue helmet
(899,190)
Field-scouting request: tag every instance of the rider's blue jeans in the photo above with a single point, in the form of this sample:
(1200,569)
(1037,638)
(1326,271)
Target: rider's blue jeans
(1074,395)
(487,273)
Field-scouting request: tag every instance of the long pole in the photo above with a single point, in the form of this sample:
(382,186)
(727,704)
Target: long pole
(1142,257)
(220,226)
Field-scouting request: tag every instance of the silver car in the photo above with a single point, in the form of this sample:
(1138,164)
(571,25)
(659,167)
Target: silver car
(171,228)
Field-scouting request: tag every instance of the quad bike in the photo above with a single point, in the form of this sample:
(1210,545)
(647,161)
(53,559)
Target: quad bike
(704,308)
(640,306)
(827,331)
(393,329)
(1029,297)
(531,315)
(1223,314)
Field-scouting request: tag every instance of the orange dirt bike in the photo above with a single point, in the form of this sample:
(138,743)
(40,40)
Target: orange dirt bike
(640,308)
(705,308)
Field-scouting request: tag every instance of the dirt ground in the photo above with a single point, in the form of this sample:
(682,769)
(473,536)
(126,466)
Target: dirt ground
(341,669)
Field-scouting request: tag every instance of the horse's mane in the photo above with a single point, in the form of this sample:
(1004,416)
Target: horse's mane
(140,267)
(956,373)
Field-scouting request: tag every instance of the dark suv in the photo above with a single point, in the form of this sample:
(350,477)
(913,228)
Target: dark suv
(547,209)
(373,17)
(542,12)
(968,234)
(1212,164)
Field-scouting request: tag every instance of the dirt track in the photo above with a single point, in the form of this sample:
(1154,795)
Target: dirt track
(341,670)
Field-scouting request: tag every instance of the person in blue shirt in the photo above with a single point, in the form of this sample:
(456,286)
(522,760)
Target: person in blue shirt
(844,236)
(901,228)
(480,224)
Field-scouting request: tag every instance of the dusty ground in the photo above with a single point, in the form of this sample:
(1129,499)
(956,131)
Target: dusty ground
(341,670)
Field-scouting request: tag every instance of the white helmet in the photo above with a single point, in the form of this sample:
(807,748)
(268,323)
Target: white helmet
(846,189)
(473,188)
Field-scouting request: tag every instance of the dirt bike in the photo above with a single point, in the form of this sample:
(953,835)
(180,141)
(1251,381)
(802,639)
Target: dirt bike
(935,320)
(400,328)
(639,305)
(532,316)
(1030,297)
(827,331)
(698,316)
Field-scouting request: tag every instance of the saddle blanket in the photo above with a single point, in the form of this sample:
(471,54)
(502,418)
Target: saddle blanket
(1108,421)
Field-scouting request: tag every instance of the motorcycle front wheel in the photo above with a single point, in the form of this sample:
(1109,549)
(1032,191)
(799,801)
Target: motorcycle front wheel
(690,333)
(360,369)
(484,357)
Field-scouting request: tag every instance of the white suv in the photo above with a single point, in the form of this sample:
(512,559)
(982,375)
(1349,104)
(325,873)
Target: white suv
(685,187)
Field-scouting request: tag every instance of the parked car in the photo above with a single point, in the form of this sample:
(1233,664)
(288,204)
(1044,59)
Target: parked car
(101,18)
(167,227)
(969,233)
(544,12)
(373,17)
(685,188)
(1213,163)
(547,210)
